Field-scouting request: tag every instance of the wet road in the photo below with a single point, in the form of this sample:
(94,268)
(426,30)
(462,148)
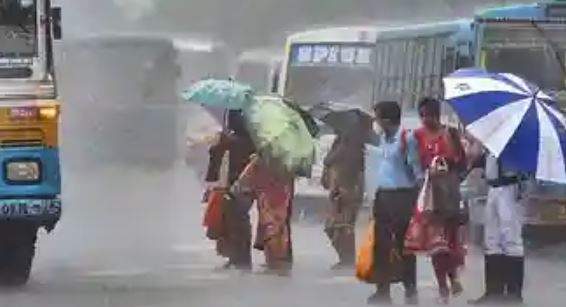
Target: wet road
(133,239)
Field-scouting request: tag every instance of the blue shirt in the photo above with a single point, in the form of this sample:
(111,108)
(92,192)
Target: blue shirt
(390,165)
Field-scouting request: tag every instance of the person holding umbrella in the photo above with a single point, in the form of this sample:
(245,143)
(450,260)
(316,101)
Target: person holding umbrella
(343,177)
(523,132)
(504,248)
(284,148)
(235,240)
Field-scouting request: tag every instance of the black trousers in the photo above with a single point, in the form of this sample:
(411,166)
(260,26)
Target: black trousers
(392,211)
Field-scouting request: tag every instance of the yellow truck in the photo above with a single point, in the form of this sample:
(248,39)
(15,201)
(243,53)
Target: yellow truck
(30,180)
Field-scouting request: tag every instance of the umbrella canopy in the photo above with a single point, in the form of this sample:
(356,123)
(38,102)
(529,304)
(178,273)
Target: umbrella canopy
(281,135)
(309,120)
(342,118)
(225,94)
(513,119)
(282,132)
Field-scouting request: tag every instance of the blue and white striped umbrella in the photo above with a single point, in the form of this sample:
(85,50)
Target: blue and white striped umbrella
(514,120)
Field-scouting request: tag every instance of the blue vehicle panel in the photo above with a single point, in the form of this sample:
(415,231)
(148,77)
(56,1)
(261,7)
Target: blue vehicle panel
(533,11)
(460,29)
(538,12)
(37,201)
(49,185)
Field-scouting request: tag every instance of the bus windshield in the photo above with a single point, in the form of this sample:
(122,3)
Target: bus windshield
(312,85)
(18,28)
(338,73)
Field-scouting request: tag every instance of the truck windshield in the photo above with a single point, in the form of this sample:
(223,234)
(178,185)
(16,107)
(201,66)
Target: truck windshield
(18,28)
(532,51)
(537,64)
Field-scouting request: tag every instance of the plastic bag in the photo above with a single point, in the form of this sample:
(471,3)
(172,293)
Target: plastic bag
(364,265)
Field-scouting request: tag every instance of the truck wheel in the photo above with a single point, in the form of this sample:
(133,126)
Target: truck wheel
(17,249)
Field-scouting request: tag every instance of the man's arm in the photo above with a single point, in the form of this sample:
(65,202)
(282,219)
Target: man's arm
(476,156)
(478,162)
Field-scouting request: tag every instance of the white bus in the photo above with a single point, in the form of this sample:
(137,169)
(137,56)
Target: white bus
(261,69)
(330,64)
(125,90)
(412,60)
(201,58)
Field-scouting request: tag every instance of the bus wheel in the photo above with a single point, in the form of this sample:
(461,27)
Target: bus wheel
(17,249)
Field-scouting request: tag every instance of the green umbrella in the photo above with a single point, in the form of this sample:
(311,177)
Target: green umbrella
(224,94)
(280,135)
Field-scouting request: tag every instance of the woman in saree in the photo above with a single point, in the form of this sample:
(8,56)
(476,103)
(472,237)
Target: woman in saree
(228,221)
(443,156)
(273,192)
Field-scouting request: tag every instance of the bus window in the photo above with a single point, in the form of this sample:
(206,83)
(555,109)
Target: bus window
(463,58)
(449,61)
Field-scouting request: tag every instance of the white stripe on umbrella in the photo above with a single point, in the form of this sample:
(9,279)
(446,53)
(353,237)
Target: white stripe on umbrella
(551,165)
(543,95)
(458,87)
(504,121)
(518,81)
(556,114)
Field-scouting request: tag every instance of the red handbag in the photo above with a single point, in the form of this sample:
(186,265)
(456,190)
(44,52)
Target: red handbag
(423,234)
(214,214)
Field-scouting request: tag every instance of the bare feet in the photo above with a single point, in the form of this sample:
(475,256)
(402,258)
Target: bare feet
(457,288)
(444,296)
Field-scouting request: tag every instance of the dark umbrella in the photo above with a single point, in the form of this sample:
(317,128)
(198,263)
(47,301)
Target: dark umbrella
(342,118)
(311,123)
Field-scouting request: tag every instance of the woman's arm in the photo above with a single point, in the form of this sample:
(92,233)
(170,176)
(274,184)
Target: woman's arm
(245,182)
(215,155)
(457,148)
(413,157)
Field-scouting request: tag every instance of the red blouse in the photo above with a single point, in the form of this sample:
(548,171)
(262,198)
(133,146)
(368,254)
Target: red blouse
(431,146)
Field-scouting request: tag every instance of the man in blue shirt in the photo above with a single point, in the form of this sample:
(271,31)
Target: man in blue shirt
(394,167)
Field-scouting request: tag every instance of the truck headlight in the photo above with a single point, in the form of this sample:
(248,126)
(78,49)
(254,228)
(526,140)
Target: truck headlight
(23,171)
(48,112)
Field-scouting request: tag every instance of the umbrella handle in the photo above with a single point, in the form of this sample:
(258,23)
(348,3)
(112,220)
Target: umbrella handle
(225,120)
